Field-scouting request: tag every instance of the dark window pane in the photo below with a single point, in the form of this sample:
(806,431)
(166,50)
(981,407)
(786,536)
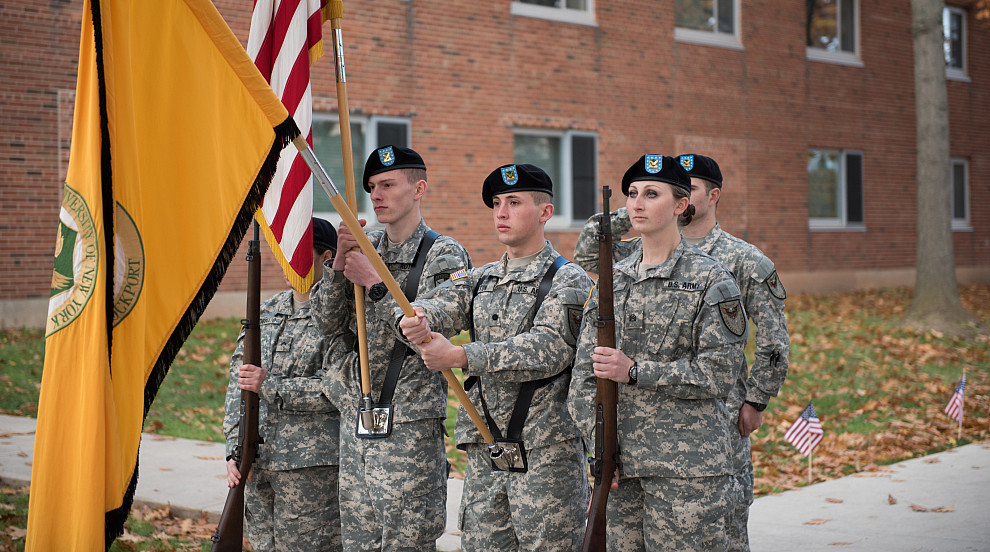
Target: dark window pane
(955,31)
(823,184)
(854,188)
(822,24)
(392,134)
(848,26)
(326,146)
(726,17)
(551,3)
(583,169)
(544,152)
(695,14)
(958,191)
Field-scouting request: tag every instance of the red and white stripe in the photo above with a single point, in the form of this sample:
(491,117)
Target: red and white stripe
(283,33)
(955,407)
(806,432)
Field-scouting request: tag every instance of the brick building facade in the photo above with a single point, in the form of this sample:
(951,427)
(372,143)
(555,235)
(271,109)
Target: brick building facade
(817,143)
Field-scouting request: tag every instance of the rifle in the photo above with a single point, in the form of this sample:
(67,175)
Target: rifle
(229,535)
(603,465)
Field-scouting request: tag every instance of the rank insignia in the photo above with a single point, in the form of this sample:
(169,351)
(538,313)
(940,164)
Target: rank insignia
(386,156)
(733,316)
(687,161)
(653,163)
(509,175)
(458,275)
(776,288)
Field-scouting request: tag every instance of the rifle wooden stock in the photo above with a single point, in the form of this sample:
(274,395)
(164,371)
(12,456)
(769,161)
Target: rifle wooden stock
(229,535)
(606,392)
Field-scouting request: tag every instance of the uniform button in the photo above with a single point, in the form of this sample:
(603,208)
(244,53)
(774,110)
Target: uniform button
(632,317)
(495,317)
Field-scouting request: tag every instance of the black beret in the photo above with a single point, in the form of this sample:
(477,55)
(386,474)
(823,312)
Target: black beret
(324,235)
(661,168)
(699,166)
(515,178)
(390,158)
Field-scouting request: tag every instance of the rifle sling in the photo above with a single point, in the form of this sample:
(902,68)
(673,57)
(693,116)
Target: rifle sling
(520,411)
(400,349)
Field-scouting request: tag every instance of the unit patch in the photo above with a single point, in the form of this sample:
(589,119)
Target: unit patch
(574,316)
(776,288)
(733,316)
(653,163)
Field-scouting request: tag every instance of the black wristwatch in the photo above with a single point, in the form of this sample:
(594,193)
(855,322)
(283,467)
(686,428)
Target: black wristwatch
(634,373)
(757,406)
(377,291)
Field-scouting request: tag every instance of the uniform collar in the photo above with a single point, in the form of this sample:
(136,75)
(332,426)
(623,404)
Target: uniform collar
(405,252)
(708,242)
(535,269)
(630,265)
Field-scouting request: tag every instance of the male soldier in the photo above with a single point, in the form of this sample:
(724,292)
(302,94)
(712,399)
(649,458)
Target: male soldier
(291,498)
(393,487)
(524,313)
(763,298)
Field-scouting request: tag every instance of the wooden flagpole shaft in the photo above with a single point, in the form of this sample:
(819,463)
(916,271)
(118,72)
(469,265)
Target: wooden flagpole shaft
(376,261)
(810,455)
(344,118)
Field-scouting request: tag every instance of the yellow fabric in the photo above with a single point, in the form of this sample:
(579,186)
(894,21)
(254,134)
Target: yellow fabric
(191,123)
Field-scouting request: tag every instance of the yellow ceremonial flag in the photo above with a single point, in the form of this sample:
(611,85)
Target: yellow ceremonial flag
(174,141)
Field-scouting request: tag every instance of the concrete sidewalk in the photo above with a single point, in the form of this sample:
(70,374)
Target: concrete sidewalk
(851,513)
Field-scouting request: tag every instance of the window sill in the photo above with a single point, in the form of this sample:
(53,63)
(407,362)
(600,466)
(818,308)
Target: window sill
(563,15)
(835,227)
(961,227)
(838,58)
(957,75)
(705,38)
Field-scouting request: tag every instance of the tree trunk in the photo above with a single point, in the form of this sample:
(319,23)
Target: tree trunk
(936,303)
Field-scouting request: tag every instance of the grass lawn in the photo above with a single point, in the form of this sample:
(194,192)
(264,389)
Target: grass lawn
(879,390)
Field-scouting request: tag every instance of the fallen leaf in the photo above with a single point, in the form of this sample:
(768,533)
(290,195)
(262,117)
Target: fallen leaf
(209,457)
(165,469)
(834,500)
(917,508)
(932,460)
(7,507)
(943,509)
(840,543)
(817,521)
(131,537)
(891,500)
(16,532)
(22,454)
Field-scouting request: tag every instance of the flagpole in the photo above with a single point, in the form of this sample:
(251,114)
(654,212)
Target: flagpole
(810,456)
(962,412)
(344,118)
(393,287)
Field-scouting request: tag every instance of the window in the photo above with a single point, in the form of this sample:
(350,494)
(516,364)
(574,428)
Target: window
(954,26)
(712,22)
(581,12)
(960,194)
(366,136)
(835,189)
(832,31)
(571,160)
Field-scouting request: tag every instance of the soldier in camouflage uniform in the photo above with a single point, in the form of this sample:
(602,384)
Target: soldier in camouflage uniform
(680,335)
(763,297)
(393,490)
(515,343)
(291,496)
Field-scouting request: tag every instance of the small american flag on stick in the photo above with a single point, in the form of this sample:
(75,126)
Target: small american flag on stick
(806,432)
(955,407)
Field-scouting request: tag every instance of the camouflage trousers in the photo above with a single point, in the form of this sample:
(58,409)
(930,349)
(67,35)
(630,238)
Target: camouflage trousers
(293,509)
(665,513)
(542,509)
(393,491)
(737,520)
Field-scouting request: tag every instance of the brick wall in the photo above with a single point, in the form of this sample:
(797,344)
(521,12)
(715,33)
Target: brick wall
(468,73)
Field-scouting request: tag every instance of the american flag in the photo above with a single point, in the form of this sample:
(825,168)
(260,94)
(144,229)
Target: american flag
(806,432)
(285,39)
(955,407)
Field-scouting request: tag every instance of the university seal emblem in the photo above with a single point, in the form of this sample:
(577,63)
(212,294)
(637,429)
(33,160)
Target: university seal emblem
(77,257)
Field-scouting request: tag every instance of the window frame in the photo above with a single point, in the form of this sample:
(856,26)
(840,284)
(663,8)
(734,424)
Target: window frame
(714,38)
(841,222)
(562,14)
(370,123)
(564,217)
(959,224)
(957,73)
(841,57)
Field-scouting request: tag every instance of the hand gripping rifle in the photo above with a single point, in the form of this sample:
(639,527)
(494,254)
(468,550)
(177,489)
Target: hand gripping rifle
(230,529)
(603,465)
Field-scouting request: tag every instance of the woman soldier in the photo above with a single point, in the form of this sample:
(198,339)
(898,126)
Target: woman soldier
(680,334)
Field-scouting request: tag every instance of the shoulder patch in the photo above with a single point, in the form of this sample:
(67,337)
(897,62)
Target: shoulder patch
(776,288)
(574,316)
(733,316)
(454,276)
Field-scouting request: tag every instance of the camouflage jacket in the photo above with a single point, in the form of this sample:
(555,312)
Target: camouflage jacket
(763,296)
(512,343)
(419,393)
(586,250)
(685,327)
(297,423)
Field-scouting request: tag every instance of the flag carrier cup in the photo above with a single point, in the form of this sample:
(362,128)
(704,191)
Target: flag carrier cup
(374,422)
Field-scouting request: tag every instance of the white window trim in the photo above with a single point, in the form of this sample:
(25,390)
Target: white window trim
(963,224)
(839,223)
(561,14)
(953,73)
(851,59)
(714,38)
(371,137)
(564,218)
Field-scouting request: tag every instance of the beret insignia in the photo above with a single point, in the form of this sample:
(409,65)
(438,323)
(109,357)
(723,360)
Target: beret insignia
(653,163)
